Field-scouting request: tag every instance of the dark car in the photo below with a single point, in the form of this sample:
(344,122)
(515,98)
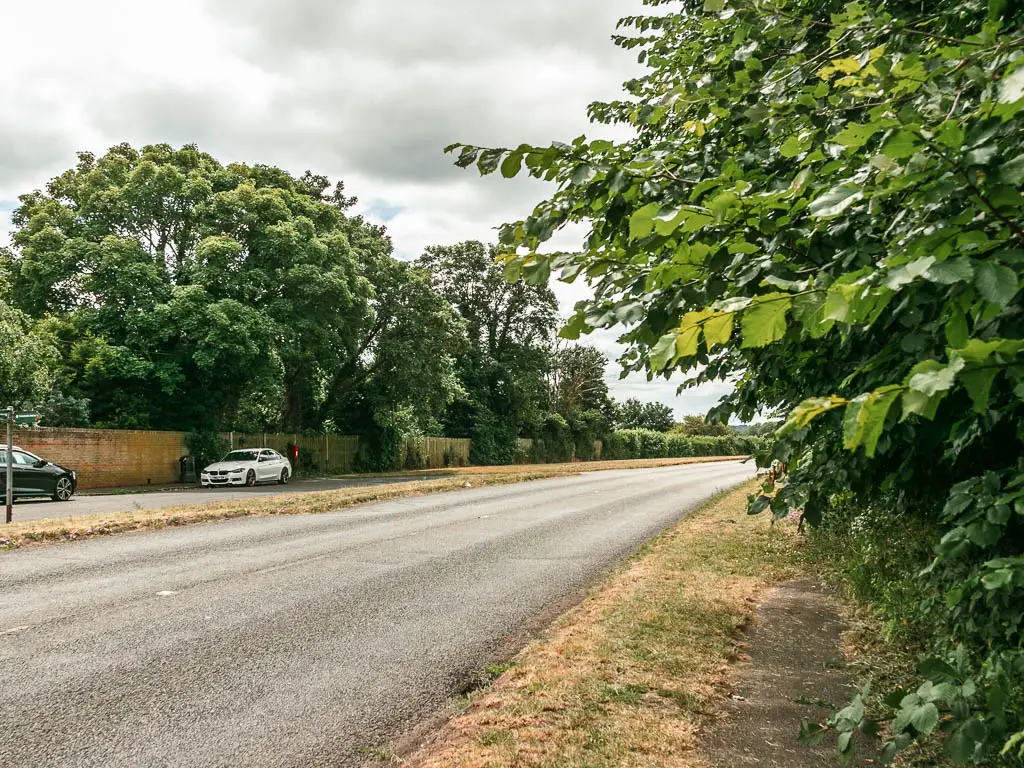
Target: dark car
(34,476)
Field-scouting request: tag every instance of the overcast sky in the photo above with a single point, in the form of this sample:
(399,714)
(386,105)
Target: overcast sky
(364,90)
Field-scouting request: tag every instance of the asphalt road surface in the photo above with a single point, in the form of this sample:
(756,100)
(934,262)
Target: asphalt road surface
(307,640)
(38,509)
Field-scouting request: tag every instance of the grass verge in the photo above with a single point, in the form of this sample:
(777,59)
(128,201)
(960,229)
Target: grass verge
(34,532)
(573,467)
(629,677)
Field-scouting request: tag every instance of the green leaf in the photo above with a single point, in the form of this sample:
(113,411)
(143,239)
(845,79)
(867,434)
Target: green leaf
(575,327)
(939,379)
(1011,87)
(668,220)
(836,200)
(512,165)
(950,134)
(764,321)
(663,351)
(997,579)
(718,329)
(844,743)
(865,418)
(925,718)
(513,270)
(916,402)
(957,332)
(641,223)
(849,66)
(537,271)
(808,410)
(792,147)
(978,384)
(687,342)
(721,204)
(937,671)
(809,311)
(996,8)
(950,271)
(963,741)
(1012,171)
(995,282)
(855,135)
(888,753)
(902,145)
(1014,742)
(489,160)
(759,505)
(583,173)
(467,157)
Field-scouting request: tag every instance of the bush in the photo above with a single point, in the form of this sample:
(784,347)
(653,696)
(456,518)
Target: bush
(647,444)
(494,442)
(206,447)
(415,454)
(858,548)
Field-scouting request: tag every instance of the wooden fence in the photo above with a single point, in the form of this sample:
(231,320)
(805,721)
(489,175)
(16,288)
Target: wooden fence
(336,454)
(435,452)
(326,454)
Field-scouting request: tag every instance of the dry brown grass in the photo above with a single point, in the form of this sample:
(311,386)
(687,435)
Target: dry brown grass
(33,532)
(574,467)
(629,677)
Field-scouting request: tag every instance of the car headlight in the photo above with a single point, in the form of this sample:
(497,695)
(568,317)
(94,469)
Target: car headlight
(236,471)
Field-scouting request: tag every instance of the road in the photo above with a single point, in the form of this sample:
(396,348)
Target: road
(38,509)
(305,640)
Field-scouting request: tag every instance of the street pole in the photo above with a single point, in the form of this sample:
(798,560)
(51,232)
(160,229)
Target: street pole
(10,463)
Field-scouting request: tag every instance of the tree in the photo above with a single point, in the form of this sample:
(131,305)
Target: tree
(402,376)
(763,428)
(28,360)
(577,379)
(181,282)
(502,370)
(697,426)
(634,414)
(821,201)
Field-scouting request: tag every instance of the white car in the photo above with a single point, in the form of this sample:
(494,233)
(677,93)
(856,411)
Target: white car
(247,466)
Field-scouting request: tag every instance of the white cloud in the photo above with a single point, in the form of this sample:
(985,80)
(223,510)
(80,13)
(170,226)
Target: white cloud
(356,89)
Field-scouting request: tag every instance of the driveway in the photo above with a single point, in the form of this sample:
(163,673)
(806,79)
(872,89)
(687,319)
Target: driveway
(303,640)
(96,502)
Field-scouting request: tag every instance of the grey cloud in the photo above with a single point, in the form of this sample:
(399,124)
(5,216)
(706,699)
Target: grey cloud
(286,32)
(25,148)
(388,85)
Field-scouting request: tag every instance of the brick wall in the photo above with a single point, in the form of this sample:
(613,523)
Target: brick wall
(109,458)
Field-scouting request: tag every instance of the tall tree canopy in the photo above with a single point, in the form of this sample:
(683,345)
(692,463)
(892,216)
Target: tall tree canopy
(405,358)
(636,414)
(187,289)
(577,380)
(822,200)
(29,359)
(698,426)
(502,370)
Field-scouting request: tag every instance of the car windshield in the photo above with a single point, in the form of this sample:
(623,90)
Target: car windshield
(241,456)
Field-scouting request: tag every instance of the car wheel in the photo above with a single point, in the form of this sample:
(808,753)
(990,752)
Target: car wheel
(63,490)
(284,477)
(250,479)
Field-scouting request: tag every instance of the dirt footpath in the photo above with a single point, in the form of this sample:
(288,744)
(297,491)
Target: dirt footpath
(794,654)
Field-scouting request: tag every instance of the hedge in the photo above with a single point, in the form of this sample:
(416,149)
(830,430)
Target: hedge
(648,444)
